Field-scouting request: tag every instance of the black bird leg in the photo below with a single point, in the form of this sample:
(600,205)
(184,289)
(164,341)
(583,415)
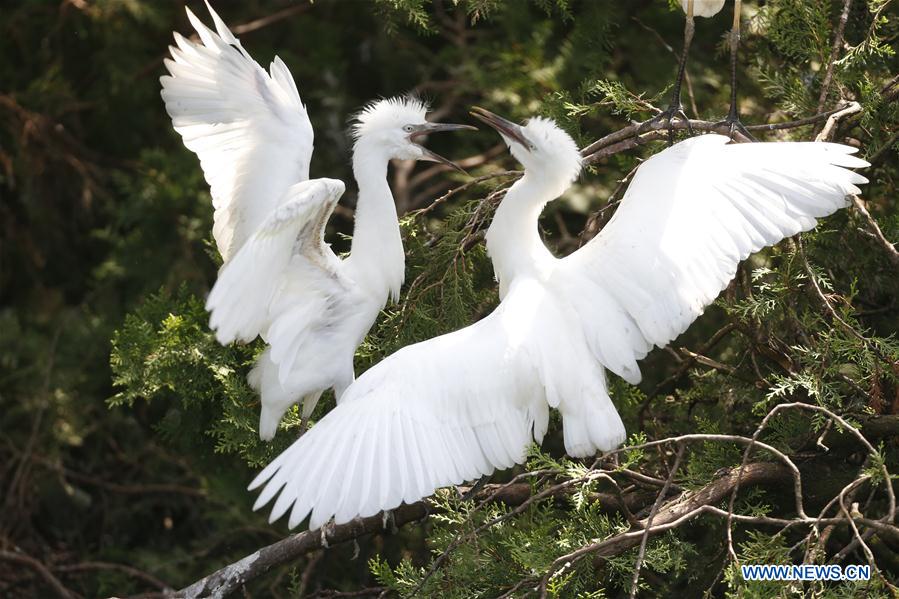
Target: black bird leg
(732,120)
(304,425)
(675,109)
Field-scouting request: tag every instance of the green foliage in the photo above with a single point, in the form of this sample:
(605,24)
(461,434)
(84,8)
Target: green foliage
(165,352)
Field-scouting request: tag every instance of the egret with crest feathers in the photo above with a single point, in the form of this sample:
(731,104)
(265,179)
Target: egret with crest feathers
(459,406)
(280,279)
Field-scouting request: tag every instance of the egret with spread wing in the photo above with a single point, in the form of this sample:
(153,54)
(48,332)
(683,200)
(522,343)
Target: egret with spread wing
(280,279)
(461,405)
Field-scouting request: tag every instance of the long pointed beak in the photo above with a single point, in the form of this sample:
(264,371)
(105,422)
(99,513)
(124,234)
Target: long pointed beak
(428,128)
(507,129)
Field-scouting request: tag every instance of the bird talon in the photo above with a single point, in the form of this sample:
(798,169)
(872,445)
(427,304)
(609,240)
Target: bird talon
(474,489)
(387,516)
(667,116)
(324,534)
(734,126)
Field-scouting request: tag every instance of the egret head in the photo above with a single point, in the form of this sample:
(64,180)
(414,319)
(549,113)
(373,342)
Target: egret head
(539,145)
(398,125)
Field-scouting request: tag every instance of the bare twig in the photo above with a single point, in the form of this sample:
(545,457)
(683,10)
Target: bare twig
(41,569)
(652,514)
(834,52)
(873,227)
(280,15)
(672,514)
(830,309)
(129,570)
(461,188)
(830,126)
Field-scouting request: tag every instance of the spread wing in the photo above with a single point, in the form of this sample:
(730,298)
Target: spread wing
(240,300)
(436,413)
(248,127)
(690,215)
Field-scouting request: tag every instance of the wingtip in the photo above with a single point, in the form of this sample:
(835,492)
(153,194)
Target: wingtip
(191,16)
(255,484)
(220,26)
(202,30)
(296,517)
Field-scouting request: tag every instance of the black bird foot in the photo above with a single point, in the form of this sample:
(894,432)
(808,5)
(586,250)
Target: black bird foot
(734,126)
(675,112)
(475,488)
(323,538)
(388,522)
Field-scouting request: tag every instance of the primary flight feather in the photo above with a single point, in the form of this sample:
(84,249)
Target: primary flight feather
(280,280)
(461,405)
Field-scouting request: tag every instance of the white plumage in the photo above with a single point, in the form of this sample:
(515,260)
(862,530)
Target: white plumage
(703,8)
(248,127)
(280,279)
(461,405)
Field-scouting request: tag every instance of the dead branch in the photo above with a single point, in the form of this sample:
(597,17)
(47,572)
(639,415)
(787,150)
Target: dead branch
(230,578)
(129,570)
(875,230)
(276,16)
(670,515)
(652,514)
(831,123)
(834,52)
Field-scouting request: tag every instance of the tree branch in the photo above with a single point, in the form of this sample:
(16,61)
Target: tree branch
(232,577)
(41,569)
(834,52)
(875,230)
(672,514)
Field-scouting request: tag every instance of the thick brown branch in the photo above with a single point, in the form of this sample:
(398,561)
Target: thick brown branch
(232,577)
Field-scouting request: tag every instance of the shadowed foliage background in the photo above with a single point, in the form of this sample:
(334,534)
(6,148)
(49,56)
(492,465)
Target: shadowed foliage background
(129,434)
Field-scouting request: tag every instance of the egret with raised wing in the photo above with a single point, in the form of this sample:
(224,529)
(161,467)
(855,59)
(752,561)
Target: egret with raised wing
(280,279)
(459,406)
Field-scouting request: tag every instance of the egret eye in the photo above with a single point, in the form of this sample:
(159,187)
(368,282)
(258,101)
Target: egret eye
(408,128)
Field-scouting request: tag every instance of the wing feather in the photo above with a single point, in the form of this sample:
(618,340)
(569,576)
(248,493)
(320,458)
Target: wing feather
(690,215)
(418,421)
(240,300)
(249,128)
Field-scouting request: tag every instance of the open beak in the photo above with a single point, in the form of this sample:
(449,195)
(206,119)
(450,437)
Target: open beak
(508,129)
(428,128)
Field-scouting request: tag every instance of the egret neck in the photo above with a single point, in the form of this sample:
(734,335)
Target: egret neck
(513,239)
(376,257)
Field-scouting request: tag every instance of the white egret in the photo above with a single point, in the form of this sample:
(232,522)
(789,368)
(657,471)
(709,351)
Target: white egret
(461,405)
(280,280)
